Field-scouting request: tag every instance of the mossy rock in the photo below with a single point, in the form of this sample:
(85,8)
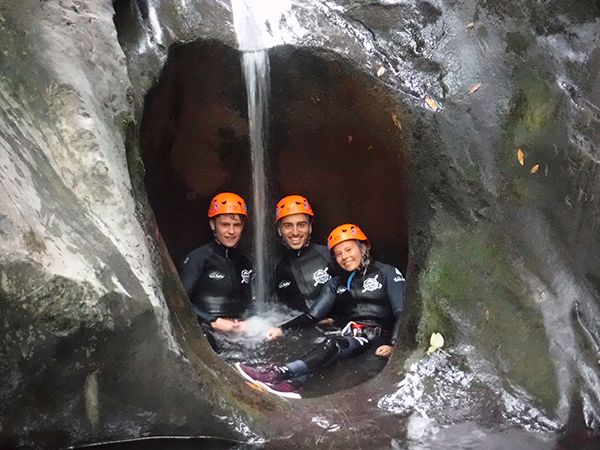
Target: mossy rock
(472,293)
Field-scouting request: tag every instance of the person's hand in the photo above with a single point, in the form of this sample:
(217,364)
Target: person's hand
(273,333)
(241,326)
(326,322)
(384,350)
(225,325)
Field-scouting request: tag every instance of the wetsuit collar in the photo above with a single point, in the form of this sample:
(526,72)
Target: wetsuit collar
(297,253)
(362,268)
(349,280)
(221,249)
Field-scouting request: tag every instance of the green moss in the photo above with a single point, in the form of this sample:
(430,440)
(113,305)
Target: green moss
(517,190)
(534,105)
(128,126)
(472,292)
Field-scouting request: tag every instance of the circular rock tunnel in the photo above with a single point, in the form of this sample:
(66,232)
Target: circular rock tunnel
(331,137)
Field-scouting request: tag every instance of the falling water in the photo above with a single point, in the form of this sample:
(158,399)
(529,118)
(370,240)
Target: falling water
(252,25)
(255,66)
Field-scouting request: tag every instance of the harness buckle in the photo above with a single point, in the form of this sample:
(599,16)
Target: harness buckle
(356,329)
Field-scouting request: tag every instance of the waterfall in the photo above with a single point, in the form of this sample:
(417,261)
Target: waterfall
(255,66)
(254,22)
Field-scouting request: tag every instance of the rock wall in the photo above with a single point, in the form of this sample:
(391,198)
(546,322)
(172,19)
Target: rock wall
(98,342)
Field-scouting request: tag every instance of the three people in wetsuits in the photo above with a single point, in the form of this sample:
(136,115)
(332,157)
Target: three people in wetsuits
(216,276)
(368,298)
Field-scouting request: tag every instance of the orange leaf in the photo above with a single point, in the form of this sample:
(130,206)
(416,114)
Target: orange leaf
(396,121)
(534,169)
(256,386)
(521,156)
(380,71)
(432,103)
(474,88)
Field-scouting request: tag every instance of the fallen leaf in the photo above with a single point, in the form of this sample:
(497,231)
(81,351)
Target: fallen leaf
(380,71)
(396,121)
(436,341)
(256,386)
(350,138)
(474,88)
(432,103)
(521,156)
(534,169)
(470,26)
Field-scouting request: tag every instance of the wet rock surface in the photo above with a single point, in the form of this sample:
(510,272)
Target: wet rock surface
(98,343)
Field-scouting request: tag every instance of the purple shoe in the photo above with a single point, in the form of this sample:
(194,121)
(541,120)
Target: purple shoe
(283,388)
(269,379)
(268,374)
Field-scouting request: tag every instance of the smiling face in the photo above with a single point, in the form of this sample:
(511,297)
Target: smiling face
(295,230)
(349,254)
(227,228)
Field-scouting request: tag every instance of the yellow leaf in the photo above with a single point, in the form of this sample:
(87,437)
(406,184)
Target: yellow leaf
(350,138)
(380,71)
(470,26)
(436,340)
(474,88)
(534,169)
(432,103)
(256,386)
(396,121)
(521,156)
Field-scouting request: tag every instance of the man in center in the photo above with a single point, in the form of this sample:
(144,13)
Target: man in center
(305,267)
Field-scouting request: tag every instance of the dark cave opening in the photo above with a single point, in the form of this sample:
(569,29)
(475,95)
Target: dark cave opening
(331,138)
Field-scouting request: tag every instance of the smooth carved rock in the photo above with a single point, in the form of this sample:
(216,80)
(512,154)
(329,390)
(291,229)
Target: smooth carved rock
(98,342)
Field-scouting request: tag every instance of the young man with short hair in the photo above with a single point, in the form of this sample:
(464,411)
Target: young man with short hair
(305,267)
(216,276)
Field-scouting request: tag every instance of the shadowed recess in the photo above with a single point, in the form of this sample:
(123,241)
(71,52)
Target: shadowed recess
(332,138)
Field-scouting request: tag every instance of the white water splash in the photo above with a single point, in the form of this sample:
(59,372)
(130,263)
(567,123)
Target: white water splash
(262,24)
(255,327)
(433,386)
(154,23)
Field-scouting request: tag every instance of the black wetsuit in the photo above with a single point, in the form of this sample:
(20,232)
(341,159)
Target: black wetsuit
(373,300)
(217,281)
(301,274)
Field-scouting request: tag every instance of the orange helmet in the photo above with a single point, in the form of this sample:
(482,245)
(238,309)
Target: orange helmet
(345,232)
(227,203)
(292,204)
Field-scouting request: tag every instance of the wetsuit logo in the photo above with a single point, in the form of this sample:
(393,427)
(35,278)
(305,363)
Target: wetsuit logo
(400,277)
(284,284)
(341,290)
(216,275)
(371,284)
(246,276)
(321,276)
